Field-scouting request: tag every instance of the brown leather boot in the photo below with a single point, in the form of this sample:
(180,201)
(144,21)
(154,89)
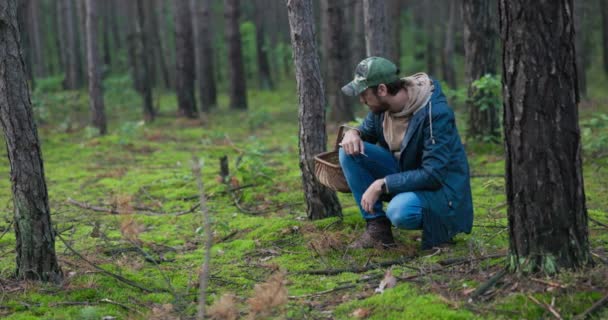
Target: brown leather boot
(377,233)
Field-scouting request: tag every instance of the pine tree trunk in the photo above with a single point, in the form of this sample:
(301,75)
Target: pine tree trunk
(204,54)
(376,29)
(393,13)
(184,59)
(61,36)
(156,43)
(26,42)
(479,42)
(34,236)
(321,202)
(358,44)
(265,79)
(98,116)
(73,63)
(106,31)
(544,182)
(237,88)
(338,71)
(36,41)
(579,42)
(604,10)
(81,37)
(447,57)
(430,31)
(116,34)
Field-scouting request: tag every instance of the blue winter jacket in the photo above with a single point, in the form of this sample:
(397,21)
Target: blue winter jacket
(433,164)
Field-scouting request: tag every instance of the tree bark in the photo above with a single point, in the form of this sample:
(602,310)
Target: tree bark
(81,36)
(36,41)
(264,75)
(237,88)
(106,31)
(321,202)
(338,71)
(544,182)
(98,116)
(394,30)
(447,57)
(579,42)
(156,44)
(73,63)
(184,59)
(35,239)
(203,40)
(429,26)
(23,24)
(376,29)
(358,44)
(479,43)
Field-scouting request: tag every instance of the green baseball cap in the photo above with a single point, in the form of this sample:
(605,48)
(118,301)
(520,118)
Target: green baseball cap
(371,72)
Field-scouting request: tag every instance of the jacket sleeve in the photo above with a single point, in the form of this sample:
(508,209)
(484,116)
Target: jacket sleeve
(368,128)
(435,157)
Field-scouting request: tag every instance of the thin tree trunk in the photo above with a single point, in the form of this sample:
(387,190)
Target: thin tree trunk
(73,65)
(81,37)
(604,10)
(34,236)
(106,31)
(358,40)
(237,87)
(265,79)
(338,71)
(544,182)
(156,43)
(447,61)
(321,202)
(579,42)
(184,59)
(479,42)
(430,30)
(376,28)
(62,41)
(116,34)
(24,26)
(98,116)
(36,41)
(393,13)
(204,54)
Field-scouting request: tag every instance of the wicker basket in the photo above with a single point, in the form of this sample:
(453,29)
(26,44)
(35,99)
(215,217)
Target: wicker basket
(328,170)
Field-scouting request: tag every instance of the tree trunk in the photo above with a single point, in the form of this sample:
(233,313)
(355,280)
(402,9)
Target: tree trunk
(338,71)
(376,29)
(579,42)
(203,41)
(98,116)
(184,59)
(544,182)
(73,63)
(358,44)
(34,236)
(394,30)
(155,41)
(604,9)
(24,26)
(265,79)
(447,57)
(321,202)
(430,30)
(81,36)
(106,31)
(36,41)
(62,40)
(479,43)
(237,88)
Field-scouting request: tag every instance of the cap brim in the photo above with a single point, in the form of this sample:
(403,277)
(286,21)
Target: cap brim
(353,88)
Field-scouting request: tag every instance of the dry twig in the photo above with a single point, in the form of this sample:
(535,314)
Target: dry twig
(546,307)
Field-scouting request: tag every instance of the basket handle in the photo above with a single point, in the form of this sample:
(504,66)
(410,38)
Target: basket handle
(340,135)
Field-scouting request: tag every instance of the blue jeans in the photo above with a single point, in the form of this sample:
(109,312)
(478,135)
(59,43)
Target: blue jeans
(404,209)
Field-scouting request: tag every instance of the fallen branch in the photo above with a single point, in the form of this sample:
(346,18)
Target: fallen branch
(549,283)
(359,269)
(599,223)
(343,287)
(457,261)
(594,308)
(546,307)
(487,285)
(106,272)
(604,261)
(115,211)
(7,229)
(204,274)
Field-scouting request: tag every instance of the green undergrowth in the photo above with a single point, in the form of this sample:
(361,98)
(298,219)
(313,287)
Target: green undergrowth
(144,171)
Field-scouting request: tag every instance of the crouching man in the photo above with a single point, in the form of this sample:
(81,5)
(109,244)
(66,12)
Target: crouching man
(408,152)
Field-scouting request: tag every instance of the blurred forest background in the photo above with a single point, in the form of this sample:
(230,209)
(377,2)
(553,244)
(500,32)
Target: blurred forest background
(125,92)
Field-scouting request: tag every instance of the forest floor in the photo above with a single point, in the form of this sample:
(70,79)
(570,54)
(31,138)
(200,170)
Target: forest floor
(268,260)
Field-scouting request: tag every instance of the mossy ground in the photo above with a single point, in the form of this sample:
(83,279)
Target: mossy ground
(146,169)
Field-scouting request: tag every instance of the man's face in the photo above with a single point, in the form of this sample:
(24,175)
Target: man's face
(374,102)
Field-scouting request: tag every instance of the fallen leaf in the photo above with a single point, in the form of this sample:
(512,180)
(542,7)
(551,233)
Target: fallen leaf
(361,313)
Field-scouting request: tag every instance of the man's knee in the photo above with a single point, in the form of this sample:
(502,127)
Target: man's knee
(405,211)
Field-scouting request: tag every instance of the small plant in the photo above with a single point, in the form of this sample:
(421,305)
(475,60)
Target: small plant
(595,134)
(486,95)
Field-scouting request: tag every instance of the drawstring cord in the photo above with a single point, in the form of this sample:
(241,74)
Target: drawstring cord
(431,121)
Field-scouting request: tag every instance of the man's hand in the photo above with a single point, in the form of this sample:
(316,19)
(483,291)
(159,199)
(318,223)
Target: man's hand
(371,195)
(352,143)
